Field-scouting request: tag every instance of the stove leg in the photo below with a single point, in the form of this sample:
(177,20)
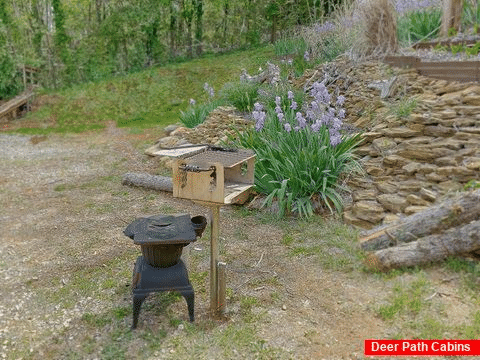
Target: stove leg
(137,304)
(190,299)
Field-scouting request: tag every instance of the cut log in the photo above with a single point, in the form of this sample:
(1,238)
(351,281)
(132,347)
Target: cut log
(459,240)
(434,220)
(153,182)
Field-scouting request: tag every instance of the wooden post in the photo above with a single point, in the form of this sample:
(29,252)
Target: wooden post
(452,16)
(214,237)
(221,278)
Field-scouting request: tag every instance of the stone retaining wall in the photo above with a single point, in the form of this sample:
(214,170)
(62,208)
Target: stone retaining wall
(411,162)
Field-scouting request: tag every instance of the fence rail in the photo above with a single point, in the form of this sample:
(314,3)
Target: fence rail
(464,71)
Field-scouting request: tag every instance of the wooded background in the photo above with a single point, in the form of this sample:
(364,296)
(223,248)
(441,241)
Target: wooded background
(81,40)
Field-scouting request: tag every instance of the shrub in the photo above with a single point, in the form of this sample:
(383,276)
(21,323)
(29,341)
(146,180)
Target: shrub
(301,155)
(196,114)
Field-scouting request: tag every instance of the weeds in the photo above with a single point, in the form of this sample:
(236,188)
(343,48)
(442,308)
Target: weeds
(404,107)
(407,300)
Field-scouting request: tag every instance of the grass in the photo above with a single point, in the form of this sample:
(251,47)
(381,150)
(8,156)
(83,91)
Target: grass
(152,98)
(403,108)
(332,243)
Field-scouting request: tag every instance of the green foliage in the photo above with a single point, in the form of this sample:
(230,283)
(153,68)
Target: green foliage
(196,114)
(471,14)
(10,84)
(457,48)
(404,107)
(474,50)
(241,94)
(151,98)
(452,32)
(419,25)
(298,168)
(472,184)
(290,45)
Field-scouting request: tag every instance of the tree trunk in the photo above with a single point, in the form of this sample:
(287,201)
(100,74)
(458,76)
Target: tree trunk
(452,16)
(199,26)
(429,249)
(153,182)
(438,218)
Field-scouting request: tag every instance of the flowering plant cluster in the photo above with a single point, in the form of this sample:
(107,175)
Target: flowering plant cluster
(301,151)
(319,112)
(196,114)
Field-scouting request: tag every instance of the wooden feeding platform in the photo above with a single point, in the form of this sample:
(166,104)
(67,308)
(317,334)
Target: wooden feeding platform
(463,71)
(213,176)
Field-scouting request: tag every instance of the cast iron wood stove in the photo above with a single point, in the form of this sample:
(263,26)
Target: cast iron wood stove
(162,238)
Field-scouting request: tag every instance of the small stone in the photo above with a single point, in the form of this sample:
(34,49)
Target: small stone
(370,211)
(409,210)
(416,200)
(369,194)
(168,142)
(410,186)
(473,165)
(390,218)
(428,195)
(170,128)
(401,132)
(392,202)
(375,170)
(384,144)
(435,177)
(446,161)
(472,100)
(284,307)
(438,131)
(394,161)
(411,168)
(351,219)
(387,187)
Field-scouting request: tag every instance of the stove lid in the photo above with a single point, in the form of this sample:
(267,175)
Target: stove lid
(162,229)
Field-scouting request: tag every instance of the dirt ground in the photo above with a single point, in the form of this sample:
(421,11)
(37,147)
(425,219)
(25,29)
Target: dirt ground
(63,211)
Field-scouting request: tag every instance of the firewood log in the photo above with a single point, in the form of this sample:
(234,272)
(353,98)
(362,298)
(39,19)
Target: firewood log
(455,241)
(436,219)
(153,182)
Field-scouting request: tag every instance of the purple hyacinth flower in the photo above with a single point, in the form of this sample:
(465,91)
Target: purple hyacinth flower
(301,120)
(257,106)
(290,95)
(294,105)
(192,102)
(287,127)
(340,100)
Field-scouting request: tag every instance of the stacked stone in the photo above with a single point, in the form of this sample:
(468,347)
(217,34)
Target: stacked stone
(221,123)
(413,161)
(214,130)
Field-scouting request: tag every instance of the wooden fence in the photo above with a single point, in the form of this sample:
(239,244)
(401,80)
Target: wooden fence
(464,71)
